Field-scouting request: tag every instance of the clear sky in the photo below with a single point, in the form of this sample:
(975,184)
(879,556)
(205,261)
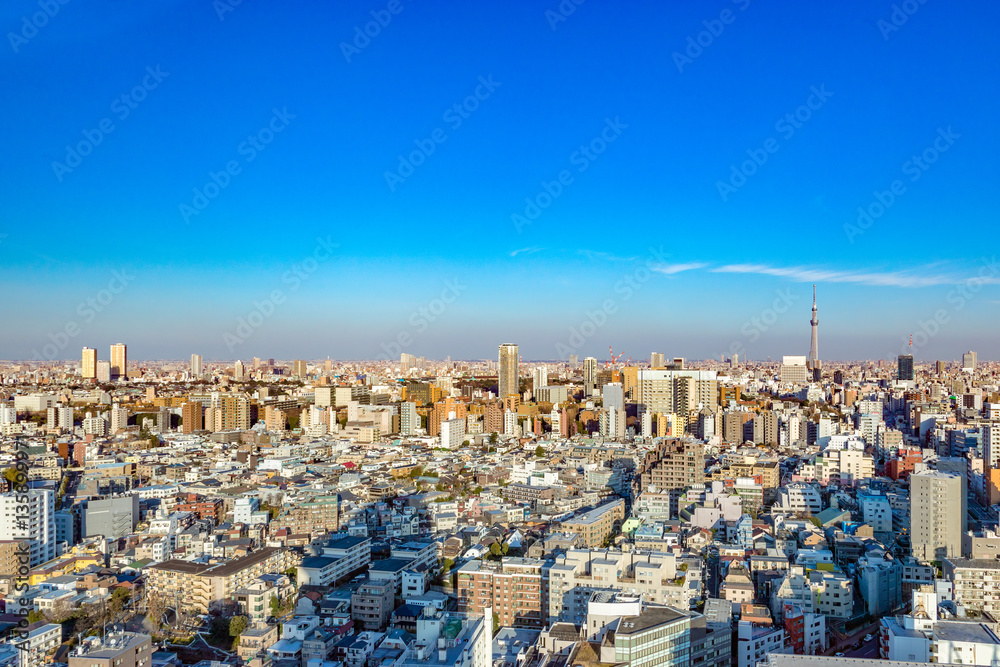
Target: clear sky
(486,172)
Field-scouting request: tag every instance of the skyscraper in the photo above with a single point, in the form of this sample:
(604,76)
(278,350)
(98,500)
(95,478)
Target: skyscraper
(196,365)
(814,343)
(299,368)
(507,375)
(89,363)
(239,370)
(904,368)
(590,376)
(656,360)
(119,359)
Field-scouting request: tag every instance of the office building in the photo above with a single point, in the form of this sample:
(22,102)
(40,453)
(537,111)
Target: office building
(35,523)
(904,368)
(969,361)
(935,502)
(196,365)
(794,370)
(119,362)
(88,365)
(112,517)
(299,368)
(507,381)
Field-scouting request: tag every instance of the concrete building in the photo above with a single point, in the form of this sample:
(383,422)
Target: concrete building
(111,517)
(33,521)
(935,508)
(507,379)
(119,362)
(117,649)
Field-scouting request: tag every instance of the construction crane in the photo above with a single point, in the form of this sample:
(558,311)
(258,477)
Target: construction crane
(614,359)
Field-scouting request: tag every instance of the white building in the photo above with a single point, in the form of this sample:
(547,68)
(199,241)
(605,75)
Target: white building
(452,432)
(34,521)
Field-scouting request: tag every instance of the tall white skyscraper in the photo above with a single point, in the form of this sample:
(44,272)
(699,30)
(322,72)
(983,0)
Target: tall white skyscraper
(119,362)
(33,520)
(239,370)
(196,365)
(507,375)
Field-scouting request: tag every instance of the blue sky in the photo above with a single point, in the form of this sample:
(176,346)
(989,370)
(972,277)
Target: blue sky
(643,126)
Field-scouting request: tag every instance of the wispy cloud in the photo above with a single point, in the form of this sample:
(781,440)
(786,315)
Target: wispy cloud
(527,251)
(671,269)
(816,275)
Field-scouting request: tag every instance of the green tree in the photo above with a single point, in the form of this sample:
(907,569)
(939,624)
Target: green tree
(493,438)
(496,623)
(237,625)
(495,549)
(539,451)
(275,606)
(34,616)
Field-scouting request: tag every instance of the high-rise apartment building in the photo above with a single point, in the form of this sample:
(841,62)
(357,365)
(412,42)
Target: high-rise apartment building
(192,417)
(239,371)
(677,391)
(104,371)
(656,360)
(88,365)
(589,376)
(539,378)
(119,361)
(196,365)
(904,368)
(409,420)
(299,368)
(935,502)
(32,520)
(507,382)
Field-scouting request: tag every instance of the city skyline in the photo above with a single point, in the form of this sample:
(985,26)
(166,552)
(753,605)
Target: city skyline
(643,163)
